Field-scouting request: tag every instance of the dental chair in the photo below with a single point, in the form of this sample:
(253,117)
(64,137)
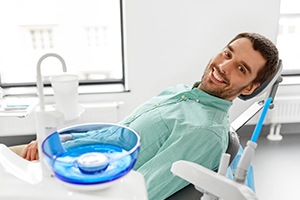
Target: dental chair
(193,192)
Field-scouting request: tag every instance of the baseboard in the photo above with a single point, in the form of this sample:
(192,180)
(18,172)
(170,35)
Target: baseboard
(246,131)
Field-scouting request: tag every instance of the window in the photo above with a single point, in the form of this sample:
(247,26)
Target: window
(288,39)
(87,34)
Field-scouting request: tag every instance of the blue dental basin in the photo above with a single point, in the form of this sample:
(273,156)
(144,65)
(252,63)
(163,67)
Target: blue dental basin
(90,154)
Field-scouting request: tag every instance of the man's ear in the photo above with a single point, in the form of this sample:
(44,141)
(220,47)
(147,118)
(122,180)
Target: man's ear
(249,89)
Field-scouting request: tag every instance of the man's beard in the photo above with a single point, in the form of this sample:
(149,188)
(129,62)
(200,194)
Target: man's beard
(222,92)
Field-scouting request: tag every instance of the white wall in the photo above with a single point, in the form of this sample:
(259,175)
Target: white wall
(169,42)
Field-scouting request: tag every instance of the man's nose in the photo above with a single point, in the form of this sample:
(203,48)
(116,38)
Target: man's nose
(225,67)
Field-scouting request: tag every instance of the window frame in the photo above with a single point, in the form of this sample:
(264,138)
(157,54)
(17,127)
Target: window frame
(287,72)
(100,82)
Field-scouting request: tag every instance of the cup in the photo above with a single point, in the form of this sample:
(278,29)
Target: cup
(65,88)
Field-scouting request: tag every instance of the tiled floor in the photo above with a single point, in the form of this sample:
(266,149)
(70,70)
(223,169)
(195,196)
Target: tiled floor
(277,168)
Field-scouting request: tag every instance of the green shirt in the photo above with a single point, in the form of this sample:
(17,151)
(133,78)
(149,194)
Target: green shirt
(178,124)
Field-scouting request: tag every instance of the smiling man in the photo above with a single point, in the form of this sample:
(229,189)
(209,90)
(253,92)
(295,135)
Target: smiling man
(234,70)
(184,123)
(192,124)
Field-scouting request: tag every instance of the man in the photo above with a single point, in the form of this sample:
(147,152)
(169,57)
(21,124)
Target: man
(183,123)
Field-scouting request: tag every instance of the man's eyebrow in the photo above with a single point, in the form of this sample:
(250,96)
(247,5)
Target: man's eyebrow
(243,63)
(230,48)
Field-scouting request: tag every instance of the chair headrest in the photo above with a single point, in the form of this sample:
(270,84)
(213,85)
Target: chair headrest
(265,85)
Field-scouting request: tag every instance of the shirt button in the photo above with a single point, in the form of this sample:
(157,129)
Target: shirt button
(183,97)
(197,100)
(158,104)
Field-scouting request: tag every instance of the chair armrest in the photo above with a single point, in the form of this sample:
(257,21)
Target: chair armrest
(206,180)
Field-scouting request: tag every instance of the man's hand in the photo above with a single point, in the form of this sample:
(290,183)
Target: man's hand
(31,151)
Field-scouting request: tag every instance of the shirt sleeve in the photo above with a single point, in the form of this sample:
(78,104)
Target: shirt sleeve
(202,147)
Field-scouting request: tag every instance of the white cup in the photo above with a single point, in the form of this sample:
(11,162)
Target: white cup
(65,87)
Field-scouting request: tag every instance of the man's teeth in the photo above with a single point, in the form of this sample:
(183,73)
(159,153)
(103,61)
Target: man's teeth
(217,76)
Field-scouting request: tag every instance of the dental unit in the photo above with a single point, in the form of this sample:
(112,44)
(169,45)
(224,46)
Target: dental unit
(96,171)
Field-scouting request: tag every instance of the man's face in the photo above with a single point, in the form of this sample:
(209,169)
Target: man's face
(231,72)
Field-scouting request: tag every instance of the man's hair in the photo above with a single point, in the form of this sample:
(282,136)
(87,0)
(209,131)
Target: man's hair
(267,49)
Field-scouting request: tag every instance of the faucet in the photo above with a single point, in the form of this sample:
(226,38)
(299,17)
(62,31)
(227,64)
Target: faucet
(39,82)
(48,119)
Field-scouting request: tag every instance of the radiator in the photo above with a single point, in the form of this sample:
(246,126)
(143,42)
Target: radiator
(286,110)
(102,112)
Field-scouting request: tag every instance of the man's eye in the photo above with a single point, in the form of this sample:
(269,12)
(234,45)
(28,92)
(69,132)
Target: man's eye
(242,69)
(227,54)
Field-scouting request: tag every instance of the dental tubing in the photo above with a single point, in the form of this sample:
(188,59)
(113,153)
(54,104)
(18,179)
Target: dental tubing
(261,120)
(245,161)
